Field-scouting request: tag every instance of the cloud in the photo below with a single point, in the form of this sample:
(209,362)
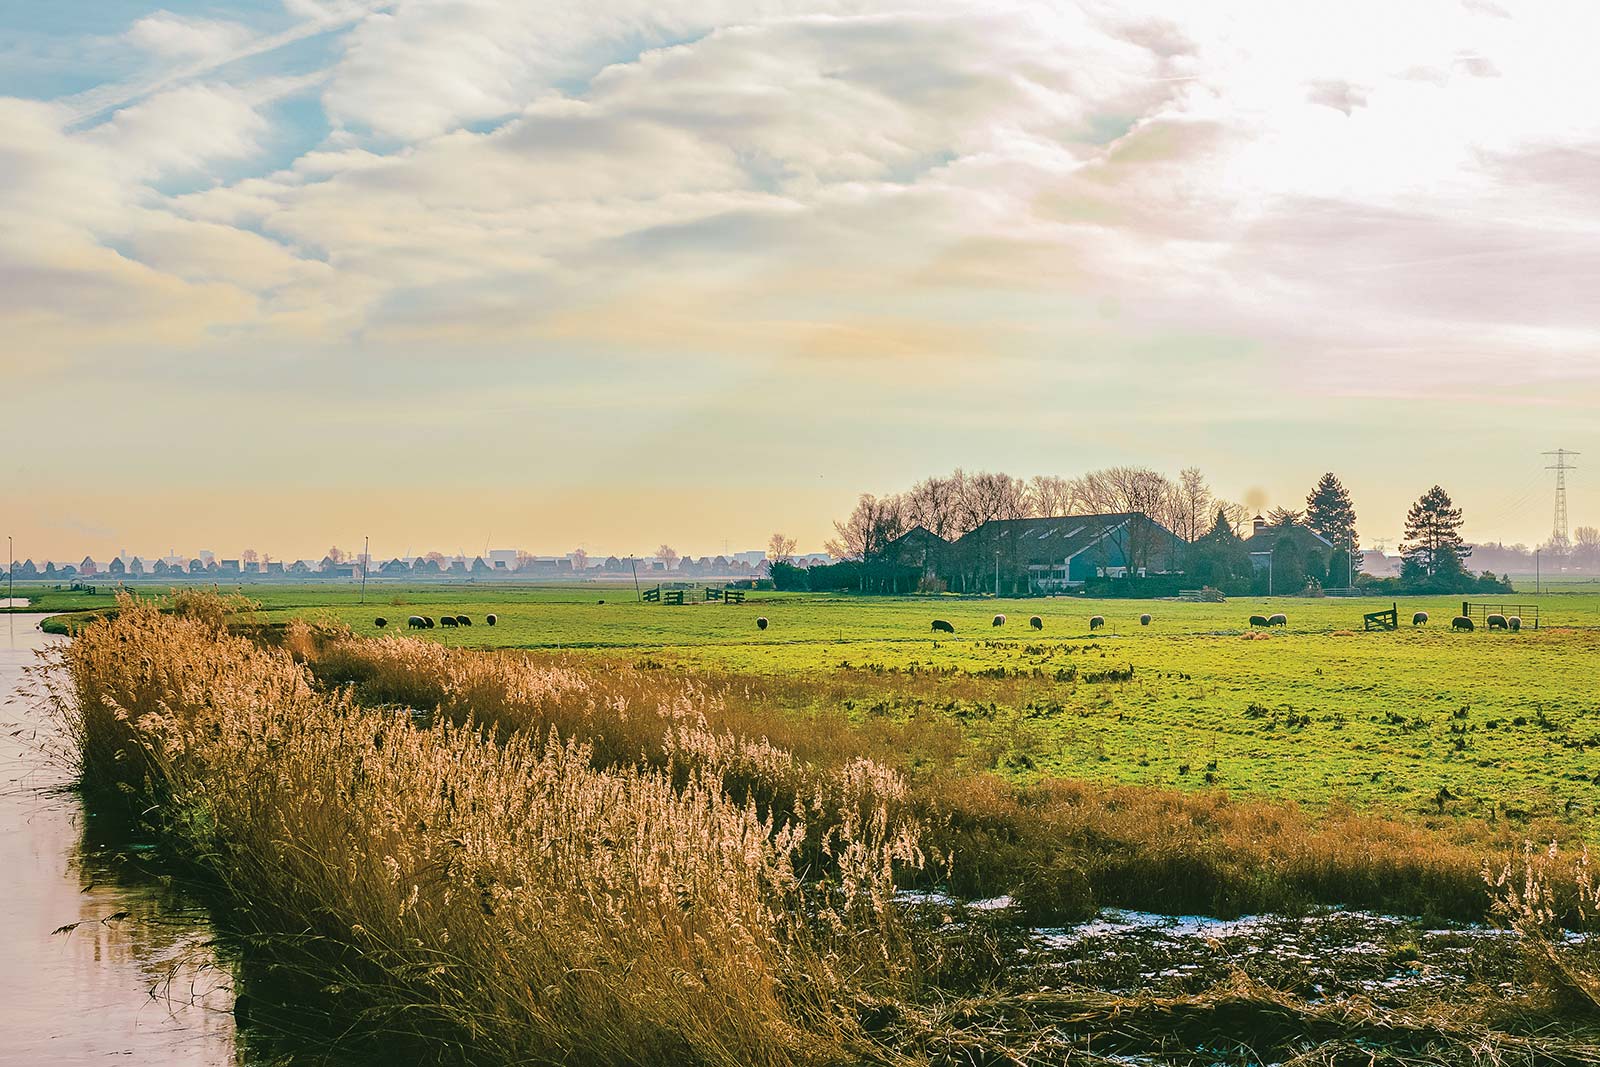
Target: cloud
(175,36)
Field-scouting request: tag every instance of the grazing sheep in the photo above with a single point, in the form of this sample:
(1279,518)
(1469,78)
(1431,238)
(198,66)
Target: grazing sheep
(761,622)
(1419,619)
(380,622)
(448,620)
(415,622)
(1036,622)
(999,620)
(942,627)
(1279,619)
(1144,620)
(462,620)
(491,619)
(1514,623)
(427,620)
(1461,622)
(1096,622)
(599,601)
(1496,622)
(1259,620)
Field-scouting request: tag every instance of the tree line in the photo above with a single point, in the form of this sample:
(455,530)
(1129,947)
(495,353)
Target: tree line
(1211,527)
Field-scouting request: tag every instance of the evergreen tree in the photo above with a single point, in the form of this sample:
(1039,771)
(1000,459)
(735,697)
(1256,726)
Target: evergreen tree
(1332,514)
(1433,536)
(1219,558)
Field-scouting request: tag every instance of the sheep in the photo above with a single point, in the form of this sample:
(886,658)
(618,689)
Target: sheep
(462,620)
(491,619)
(380,622)
(761,622)
(599,601)
(1144,620)
(415,622)
(1496,622)
(1419,619)
(1279,619)
(1461,622)
(1096,622)
(1514,624)
(1258,620)
(427,620)
(999,620)
(448,620)
(1036,622)
(942,627)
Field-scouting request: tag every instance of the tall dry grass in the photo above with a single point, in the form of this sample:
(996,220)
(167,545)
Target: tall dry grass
(499,895)
(1061,848)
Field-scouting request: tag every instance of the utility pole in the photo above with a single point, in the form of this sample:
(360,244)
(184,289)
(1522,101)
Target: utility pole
(634,565)
(11,573)
(1536,572)
(997,572)
(366,551)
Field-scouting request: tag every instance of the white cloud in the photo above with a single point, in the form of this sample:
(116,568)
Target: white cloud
(176,36)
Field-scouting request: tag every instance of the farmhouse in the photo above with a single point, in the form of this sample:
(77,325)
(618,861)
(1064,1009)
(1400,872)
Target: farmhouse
(1032,556)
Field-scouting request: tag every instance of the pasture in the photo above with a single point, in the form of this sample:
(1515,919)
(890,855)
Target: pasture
(1490,726)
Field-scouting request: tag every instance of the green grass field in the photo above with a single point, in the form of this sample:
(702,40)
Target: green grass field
(1507,724)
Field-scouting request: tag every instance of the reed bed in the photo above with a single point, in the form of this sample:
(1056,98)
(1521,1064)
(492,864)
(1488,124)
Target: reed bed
(491,895)
(1061,848)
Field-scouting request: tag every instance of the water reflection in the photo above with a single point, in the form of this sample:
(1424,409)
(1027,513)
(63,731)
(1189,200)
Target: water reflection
(130,970)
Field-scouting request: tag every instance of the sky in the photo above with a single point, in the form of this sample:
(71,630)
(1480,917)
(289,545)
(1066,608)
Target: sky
(453,273)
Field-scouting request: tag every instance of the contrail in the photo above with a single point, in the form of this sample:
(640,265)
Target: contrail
(92,103)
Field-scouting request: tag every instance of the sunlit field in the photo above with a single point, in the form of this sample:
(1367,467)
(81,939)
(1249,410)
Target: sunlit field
(1482,725)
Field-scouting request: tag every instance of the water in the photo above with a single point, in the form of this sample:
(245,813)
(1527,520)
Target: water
(134,981)
(13,601)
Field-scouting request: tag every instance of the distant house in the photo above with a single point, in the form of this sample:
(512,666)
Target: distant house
(1296,545)
(161,570)
(424,565)
(68,571)
(229,568)
(49,569)
(88,568)
(300,568)
(117,568)
(27,570)
(197,566)
(273,566)
(458,567)
(481,566)
(395,567)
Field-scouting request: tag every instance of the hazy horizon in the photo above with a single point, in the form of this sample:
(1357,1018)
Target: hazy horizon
(286,273)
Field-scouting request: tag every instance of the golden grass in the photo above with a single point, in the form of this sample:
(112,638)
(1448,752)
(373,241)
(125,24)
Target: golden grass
(499,895)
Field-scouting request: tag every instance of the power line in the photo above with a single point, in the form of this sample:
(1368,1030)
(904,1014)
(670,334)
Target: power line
(1558,532)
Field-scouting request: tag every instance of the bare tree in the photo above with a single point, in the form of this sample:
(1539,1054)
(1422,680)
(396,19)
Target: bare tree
(580,560)
(249,555)
(875,522)
(1192,505)
(525,559)
(1051,496)
(437,557)
(780,548)
(1136,491)
(668,556)
(336,554)
(935,505)
(1586,546)
(986,497)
